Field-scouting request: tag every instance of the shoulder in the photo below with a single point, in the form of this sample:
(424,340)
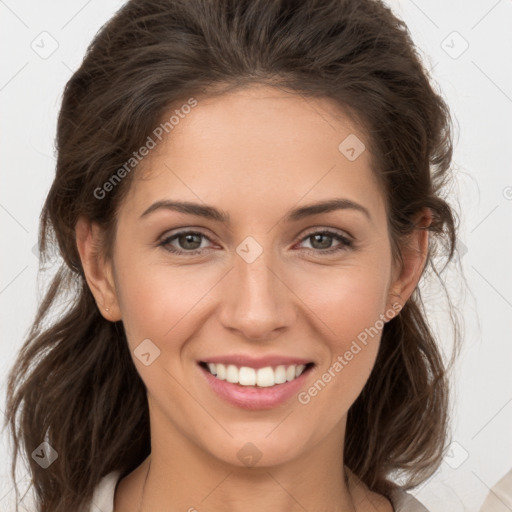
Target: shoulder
(500,495)
(401,501)
(103,497)
(404,502)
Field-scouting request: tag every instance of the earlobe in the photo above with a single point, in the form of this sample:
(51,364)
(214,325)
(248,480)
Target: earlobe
(98,271)
(414,255)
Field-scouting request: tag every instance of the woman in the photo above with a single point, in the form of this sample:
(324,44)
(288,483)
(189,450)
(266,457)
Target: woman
(247,194)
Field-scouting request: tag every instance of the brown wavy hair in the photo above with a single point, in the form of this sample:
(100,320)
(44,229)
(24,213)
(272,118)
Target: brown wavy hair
(74,383)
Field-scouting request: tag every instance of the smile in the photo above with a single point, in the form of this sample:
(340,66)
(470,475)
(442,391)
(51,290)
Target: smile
(267,376)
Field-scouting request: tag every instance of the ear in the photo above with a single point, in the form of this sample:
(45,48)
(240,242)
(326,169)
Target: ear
(414,254)
(98,272)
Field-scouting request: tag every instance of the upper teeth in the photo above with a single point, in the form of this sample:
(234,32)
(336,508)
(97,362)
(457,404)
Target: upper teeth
(263,377)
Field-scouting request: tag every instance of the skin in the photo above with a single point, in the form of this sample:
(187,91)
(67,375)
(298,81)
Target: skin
(256,154)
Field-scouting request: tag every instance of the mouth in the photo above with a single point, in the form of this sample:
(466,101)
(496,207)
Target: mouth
(265,377)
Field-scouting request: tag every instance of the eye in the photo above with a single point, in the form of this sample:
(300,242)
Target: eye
(322,240)
(190,242)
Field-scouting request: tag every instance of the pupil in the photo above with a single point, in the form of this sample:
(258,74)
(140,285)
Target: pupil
(187,238)
(326,237)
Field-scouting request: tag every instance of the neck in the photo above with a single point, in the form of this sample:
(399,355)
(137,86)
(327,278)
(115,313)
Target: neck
(180,476)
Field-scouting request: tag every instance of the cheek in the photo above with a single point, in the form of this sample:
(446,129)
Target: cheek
(345,300)
(349,307)
(161,302)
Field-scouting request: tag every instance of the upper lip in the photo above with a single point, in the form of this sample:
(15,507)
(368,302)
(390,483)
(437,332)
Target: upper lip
(256,362)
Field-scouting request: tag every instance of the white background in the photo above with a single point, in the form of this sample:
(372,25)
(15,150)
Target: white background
(477,84)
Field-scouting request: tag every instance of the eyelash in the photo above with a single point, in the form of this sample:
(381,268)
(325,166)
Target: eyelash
(346,243)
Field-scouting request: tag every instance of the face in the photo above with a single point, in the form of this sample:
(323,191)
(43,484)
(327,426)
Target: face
(260,288)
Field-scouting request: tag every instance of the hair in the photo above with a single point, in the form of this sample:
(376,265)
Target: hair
(74,383)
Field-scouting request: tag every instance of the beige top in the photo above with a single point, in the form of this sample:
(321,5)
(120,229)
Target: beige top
(499,498)
(103,498)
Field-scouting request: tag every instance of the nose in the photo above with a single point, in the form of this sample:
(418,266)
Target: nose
(257,304)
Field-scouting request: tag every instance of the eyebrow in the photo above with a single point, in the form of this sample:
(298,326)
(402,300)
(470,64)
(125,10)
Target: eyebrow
(212,213)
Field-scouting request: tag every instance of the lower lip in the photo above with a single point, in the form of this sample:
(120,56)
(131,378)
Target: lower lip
(254,397)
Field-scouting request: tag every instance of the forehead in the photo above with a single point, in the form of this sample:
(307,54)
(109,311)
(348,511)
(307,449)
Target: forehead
(258,144)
